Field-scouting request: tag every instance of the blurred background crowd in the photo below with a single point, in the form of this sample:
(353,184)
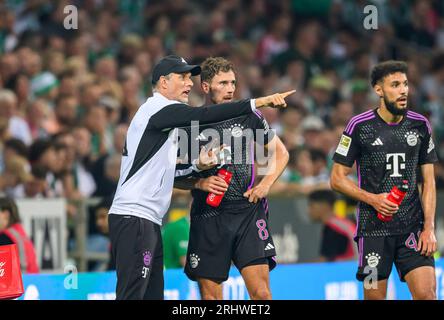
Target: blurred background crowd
(67,95)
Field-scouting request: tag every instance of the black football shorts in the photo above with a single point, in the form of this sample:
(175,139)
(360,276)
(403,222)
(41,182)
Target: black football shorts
(242,236)
(377,254)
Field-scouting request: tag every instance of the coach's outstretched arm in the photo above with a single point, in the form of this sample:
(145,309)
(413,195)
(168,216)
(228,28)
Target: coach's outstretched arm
(341,183)
(180,114)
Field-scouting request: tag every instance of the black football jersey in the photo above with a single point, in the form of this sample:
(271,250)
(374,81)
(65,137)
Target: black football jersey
(239,135)
(385,155)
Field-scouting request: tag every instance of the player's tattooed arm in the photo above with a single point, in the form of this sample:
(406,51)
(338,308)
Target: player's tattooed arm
(341,183)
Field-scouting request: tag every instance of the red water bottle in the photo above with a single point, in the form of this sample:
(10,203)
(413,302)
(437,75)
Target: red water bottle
(396,196)
(226,174)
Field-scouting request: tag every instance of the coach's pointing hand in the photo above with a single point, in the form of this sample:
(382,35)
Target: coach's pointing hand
(276,100)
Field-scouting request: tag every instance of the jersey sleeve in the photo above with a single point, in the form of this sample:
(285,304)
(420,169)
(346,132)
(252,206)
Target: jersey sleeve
(263,134)
(427,153)
(180,115)
(348,148)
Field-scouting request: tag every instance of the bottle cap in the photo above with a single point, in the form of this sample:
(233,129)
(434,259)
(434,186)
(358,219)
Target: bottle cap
(405,185)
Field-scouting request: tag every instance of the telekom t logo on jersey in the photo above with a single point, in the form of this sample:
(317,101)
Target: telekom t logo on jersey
(395,162)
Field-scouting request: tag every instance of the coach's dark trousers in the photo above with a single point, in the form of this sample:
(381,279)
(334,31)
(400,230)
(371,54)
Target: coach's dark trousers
(136,246)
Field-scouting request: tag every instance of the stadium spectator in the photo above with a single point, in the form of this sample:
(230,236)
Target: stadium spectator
(175,235)
(37,186)
(104,178)
(16,174)
(275,40)
(111,175)
(12,232)
(17,126)
(100,242)
(40,119)
(313,128)
(65,111)
(337,242)
(43,153)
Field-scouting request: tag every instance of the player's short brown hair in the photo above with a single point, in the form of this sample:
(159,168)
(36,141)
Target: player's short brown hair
(212,66)
(383,69)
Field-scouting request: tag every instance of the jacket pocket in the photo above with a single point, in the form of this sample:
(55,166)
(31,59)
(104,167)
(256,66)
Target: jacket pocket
(159,188)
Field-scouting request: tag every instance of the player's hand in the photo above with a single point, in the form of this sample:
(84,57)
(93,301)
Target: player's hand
(257,193)
(427,242)
(383,205)
(276,100)
(213,184)
(208,158)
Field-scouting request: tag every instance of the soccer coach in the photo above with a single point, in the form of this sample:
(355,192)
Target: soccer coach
(147,172)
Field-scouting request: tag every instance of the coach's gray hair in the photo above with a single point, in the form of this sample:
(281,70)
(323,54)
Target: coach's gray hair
(168,76)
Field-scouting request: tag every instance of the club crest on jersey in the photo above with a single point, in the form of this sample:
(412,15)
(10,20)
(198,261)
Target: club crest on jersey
(236,130)
(194,260)
(147,256)
(373,259)
(412,138)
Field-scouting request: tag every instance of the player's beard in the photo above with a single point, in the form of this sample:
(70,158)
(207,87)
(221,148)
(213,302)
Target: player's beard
(391,106)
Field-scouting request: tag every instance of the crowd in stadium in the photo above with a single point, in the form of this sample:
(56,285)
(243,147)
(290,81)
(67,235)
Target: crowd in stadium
(67,96)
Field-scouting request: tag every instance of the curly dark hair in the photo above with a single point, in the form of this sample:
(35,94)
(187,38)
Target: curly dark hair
(383,69)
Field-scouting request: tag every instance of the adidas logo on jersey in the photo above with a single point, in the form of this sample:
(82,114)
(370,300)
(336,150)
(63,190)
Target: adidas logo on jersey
(377,142)
(269,247)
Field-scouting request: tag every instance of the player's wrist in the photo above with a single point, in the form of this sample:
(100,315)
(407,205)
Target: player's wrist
(371,199)
(429,226)
(265,183)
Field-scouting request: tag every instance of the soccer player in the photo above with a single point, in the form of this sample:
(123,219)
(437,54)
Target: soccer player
(391,144)
(238,229)
(147,173)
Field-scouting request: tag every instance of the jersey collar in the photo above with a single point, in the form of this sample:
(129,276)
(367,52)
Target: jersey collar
(391,124)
